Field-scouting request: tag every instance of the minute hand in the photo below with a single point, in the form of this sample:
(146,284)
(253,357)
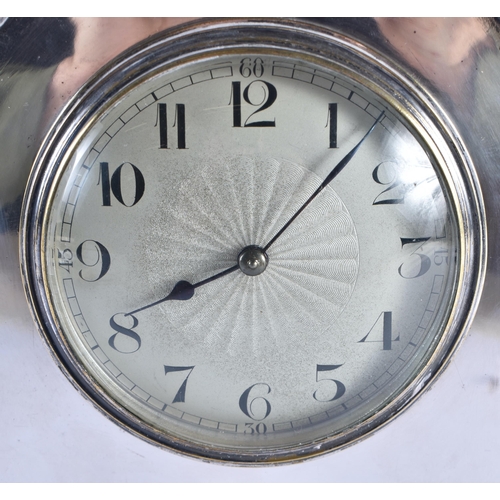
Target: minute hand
(336,171)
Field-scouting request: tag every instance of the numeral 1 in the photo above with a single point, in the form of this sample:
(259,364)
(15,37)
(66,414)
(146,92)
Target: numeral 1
(332,123)
(180,124)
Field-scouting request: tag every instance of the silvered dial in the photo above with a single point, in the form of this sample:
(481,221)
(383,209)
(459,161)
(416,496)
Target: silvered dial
(250,253)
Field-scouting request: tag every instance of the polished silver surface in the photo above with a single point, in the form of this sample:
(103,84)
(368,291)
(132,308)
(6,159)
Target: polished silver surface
(449,435)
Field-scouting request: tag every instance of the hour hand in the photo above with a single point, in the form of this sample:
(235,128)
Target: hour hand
(183,290)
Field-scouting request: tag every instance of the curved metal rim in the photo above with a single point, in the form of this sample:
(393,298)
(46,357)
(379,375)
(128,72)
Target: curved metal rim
(136,65)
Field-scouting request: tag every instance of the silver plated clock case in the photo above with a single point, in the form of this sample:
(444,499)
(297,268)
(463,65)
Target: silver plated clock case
(228,397)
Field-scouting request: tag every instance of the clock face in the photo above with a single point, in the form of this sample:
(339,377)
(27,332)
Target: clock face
(247,254)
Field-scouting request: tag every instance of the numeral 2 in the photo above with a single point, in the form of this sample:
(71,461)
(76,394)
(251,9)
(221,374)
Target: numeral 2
(382,175)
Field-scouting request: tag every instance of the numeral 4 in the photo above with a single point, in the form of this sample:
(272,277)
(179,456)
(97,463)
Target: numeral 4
(381,331)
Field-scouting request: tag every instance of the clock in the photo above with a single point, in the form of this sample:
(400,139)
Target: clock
(250,241)
(254,241)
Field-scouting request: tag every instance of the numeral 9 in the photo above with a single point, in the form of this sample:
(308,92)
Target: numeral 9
(90,253)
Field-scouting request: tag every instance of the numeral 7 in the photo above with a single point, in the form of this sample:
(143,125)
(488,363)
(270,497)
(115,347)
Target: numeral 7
(180,396)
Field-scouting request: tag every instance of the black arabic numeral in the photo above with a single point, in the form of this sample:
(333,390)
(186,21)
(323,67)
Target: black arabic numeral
(420,263)
(441,257)
(162,125)
(236,100)
(179,123)
(334,392)
(247,69)
(65,259)
(264,92)
(385,174)
(332,124)
(115,184)
(256,406)
(93,254)
(252,428)
(269,95)
(124,340)
(381,331)
(105,184)
(180,396)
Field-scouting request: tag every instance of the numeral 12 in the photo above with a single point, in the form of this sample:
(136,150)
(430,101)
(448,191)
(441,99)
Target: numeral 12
(269,95)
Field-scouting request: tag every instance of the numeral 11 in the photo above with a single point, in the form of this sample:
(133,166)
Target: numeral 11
(180,124)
